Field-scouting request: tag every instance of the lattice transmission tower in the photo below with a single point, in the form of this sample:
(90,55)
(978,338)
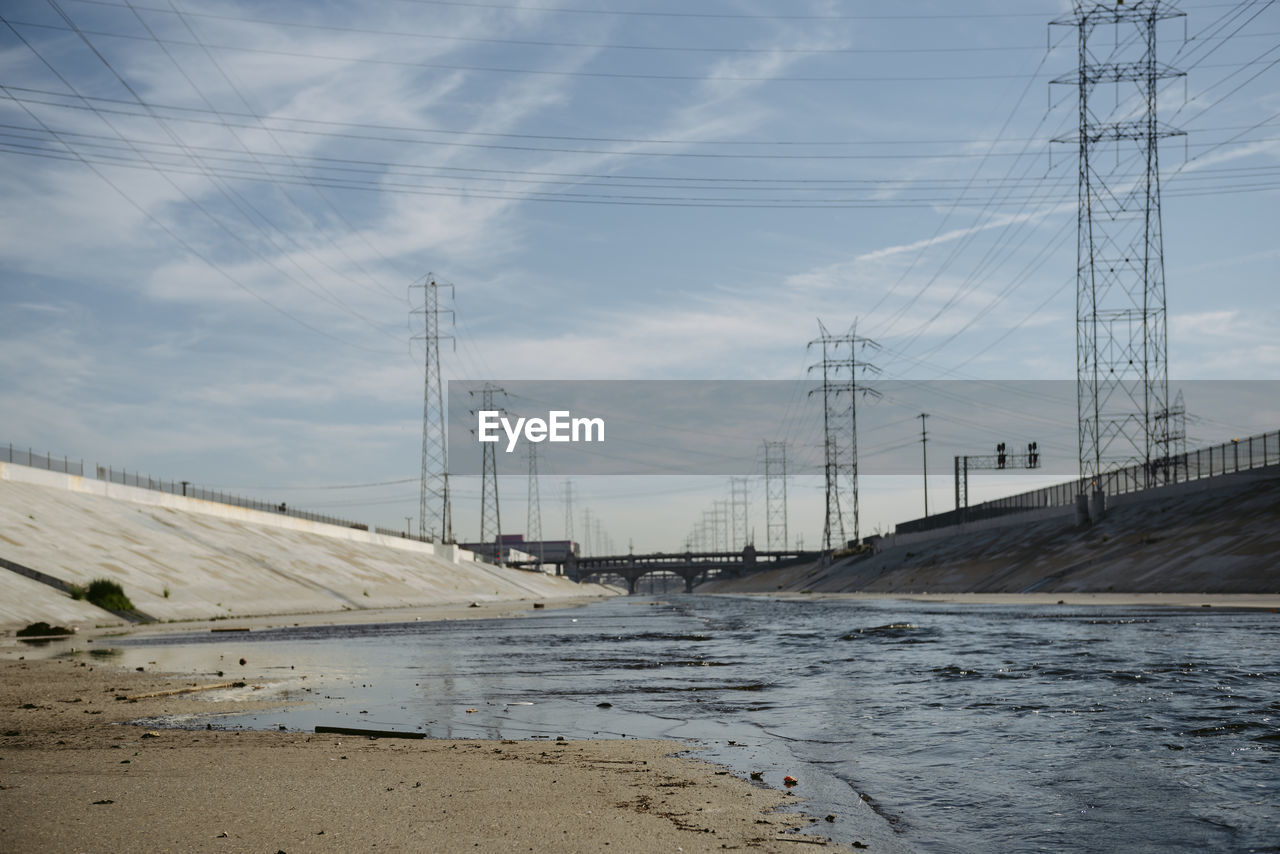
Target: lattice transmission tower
(739,488)
(775,495)
(840,389)
(435,516)
(1122,381)
(490,515)
(533,524)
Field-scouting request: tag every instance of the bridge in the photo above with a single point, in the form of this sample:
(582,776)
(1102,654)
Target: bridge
(693,567)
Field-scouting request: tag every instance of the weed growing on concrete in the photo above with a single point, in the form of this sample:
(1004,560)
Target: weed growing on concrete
(104,593)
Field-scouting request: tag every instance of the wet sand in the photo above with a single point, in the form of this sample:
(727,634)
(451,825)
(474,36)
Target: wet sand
(75,776)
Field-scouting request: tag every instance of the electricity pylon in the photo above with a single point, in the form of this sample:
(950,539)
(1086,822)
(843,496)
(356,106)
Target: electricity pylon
(435,516)
(1122,381)
(840,388)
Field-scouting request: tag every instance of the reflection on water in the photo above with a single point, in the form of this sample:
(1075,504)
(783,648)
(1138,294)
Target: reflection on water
(967,728)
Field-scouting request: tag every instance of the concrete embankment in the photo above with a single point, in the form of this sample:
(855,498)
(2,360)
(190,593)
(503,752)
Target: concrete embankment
(1218,535)
(181,558)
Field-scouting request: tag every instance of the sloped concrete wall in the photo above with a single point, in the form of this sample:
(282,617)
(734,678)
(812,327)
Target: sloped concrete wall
(1219,535)
(182,558)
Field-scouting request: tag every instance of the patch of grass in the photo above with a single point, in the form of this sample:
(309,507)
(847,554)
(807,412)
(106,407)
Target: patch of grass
(104,593)
(166,591)
(42,629)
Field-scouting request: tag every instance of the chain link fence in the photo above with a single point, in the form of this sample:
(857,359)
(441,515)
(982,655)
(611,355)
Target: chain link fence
(1226,458)
(110,474)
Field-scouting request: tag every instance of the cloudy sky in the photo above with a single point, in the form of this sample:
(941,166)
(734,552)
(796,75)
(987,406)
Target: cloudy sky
(211,217)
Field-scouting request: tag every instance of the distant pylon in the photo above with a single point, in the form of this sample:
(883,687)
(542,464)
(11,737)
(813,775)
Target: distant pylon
(568,510)
(1122,381)
(435,516)
(720,521)
(1175,428)
(533,524)
(738,492)
(490,515)
(840,366)
(775,495)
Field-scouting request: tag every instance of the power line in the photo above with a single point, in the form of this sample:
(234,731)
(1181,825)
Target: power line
(549,72)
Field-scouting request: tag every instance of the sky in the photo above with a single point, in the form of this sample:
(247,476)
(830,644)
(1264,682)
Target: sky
(212,216)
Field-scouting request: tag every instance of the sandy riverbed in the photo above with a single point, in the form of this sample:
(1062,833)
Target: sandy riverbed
(75,777)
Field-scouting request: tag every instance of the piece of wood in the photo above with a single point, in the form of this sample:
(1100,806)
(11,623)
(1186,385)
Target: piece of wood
(371,733)
(798,839)
(190,689)
(230,629)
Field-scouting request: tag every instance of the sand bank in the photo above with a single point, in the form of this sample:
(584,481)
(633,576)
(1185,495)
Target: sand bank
(75,777)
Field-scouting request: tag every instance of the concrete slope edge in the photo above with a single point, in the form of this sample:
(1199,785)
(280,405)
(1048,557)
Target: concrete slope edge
(1218,537)
(177,561)
(91,486)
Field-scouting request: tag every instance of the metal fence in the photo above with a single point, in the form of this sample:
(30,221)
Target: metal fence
(44,461)
(1227,458)
(110,474)
(404,535)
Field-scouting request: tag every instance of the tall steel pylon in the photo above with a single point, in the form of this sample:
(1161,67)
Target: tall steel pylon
(533,522)
(568,511)
(775,495)
(840,388)
(720,519)
(1122,380)
(435,516)
(739,488)
(490,515)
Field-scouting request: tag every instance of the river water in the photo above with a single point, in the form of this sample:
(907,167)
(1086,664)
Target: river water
(920,726)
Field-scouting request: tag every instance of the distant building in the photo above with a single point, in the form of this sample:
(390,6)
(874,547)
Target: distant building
(514,547)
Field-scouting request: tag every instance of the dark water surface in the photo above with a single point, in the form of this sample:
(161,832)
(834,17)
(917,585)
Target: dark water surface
(967,728)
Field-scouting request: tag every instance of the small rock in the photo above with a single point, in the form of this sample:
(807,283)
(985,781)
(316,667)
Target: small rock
(604,705)
(757,775)
(151,734)
(831,817)
(107,801)
(242,662)
(223,835)
(789,780)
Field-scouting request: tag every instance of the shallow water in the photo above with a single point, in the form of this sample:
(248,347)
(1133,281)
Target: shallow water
(967,728)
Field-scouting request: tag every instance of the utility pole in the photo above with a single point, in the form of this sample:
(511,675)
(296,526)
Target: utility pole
(775,490)
(840,365)
(490,517)
(435,516)
(924,459)
(408,526)
(1122,381)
